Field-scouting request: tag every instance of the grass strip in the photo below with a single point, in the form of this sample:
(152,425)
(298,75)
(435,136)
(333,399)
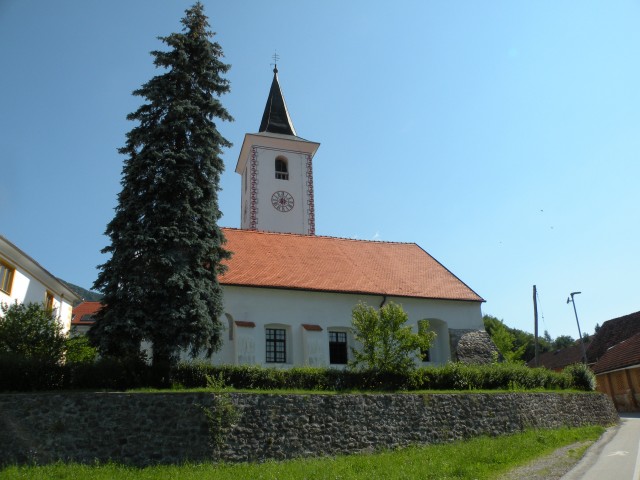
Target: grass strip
(479,458)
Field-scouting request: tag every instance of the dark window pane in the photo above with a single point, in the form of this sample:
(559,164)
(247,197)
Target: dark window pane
(338,348)
(276,345)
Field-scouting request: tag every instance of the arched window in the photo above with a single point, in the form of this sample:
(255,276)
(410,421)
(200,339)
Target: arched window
(282,172)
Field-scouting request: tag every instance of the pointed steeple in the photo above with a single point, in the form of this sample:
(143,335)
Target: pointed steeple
(275,118)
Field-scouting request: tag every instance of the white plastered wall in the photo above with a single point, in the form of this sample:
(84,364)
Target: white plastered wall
(268,218)
(26,288)
(252,309)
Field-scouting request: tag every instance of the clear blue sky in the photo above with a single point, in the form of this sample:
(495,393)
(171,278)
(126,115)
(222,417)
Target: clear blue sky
(502,137)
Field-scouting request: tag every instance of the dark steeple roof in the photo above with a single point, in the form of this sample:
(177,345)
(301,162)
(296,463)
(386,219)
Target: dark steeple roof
(275,118)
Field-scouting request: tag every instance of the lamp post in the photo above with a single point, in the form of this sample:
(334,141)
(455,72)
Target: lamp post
(571,299)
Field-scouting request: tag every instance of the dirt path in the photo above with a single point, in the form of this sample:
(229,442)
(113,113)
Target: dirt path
(552,466)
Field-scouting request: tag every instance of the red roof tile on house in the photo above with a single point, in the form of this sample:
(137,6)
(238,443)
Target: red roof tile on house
(611,333)
(624,354)
(329,264)
(83,313)
(558,359)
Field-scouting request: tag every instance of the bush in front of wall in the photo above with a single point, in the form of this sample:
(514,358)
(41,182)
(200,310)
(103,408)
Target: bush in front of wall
(452,376)
(108,373)
(582,377)
(25,374)
(20,374)
(502,376)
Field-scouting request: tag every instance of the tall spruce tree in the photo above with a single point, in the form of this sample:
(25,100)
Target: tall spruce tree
(160,284)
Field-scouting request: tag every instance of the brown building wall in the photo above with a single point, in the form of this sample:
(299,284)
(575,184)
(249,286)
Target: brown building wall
(623,386)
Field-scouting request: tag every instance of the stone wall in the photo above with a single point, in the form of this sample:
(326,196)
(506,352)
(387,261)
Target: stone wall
(148,428)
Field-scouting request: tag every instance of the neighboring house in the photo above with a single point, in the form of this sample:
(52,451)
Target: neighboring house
(613,353)
(24,280)
(611,333)
(618,374)
(82,317)
(557,360)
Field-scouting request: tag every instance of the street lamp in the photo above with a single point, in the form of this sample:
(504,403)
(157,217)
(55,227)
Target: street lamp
(570,299)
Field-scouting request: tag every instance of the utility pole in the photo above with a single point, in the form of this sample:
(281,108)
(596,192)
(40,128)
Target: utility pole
(571,299)
(535,319)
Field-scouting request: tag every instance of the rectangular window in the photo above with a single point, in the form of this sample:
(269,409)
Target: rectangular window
(338,347)
(48,302)
(6,278)
(276,345)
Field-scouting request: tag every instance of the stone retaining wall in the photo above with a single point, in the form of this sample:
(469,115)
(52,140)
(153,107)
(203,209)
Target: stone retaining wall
(148,428)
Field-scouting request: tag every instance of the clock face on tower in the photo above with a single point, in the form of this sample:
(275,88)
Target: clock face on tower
(282,201)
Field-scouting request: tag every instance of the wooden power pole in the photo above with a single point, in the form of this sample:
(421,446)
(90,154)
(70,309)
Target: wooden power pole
(535,319)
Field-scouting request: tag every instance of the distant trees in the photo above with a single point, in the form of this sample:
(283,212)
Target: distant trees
(388,344)
(505,339)
(518,345)
(160,283)
(563,341)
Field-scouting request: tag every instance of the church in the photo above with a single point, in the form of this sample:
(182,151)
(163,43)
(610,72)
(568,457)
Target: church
(289,293)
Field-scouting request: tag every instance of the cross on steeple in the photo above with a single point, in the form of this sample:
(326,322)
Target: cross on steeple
(275,57)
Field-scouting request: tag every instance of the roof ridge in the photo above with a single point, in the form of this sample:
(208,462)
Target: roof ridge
(628,316)
(265,232)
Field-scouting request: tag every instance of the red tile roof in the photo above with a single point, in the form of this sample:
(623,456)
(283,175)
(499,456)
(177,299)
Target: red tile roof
(558,359)
(83,313)
(611,333)
(624,354)
(329,264)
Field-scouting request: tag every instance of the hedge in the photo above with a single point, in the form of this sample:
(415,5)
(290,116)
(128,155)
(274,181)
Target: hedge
(19,374)
(452,376)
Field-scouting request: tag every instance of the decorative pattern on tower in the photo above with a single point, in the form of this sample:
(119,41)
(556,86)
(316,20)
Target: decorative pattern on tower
(310,205)
(253,225)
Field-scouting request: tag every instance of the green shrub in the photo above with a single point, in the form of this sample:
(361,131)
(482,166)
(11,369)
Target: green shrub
(452,376)
(20,374)
(23,374)
(108,374)
(582,377)
(79,350)
(388,343)
(31,331)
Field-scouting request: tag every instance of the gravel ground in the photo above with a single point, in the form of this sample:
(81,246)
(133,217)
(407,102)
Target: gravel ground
(551,467)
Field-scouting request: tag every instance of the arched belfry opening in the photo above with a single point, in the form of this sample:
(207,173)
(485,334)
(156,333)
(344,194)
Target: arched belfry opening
(282,168)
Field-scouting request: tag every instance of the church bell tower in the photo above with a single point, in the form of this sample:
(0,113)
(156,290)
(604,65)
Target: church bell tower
(277,172)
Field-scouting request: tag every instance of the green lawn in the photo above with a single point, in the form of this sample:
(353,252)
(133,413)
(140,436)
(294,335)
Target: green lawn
(480,458)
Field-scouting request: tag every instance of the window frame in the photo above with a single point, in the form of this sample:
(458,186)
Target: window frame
(272,340)
(338,346)
(49,299)
(283,173)
(7,274)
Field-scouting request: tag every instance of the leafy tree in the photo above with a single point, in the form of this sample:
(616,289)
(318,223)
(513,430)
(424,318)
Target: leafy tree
(504,340)
(160,284)
(31,331)
(563,341)
(523,343)
(79,350)
(388,344)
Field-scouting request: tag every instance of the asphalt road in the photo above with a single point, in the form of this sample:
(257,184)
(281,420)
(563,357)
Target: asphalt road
(615,456)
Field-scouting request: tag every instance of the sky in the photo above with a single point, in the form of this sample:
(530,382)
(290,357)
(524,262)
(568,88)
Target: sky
(500,136)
